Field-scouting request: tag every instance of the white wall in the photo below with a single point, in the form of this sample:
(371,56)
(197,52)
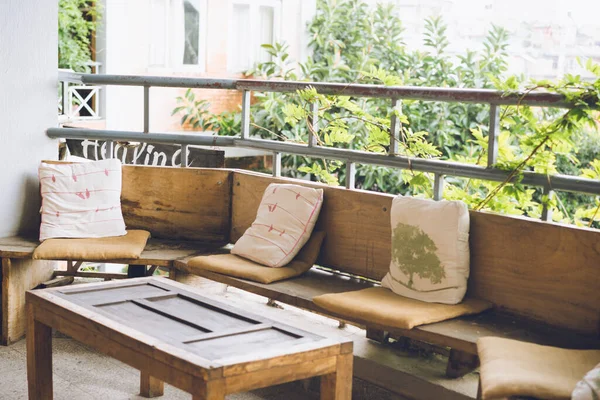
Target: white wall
(123,47)
(28,105)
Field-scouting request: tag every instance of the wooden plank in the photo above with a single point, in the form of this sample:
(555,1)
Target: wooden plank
(39,357)
(178,203)
(18,246)
(280,374)
(18,276)
(459,333)
(338,385)
(136,349)
(159,252)
(150,386)
(538,270)
(357,223)
(56,282)
(298,292)
(90,274)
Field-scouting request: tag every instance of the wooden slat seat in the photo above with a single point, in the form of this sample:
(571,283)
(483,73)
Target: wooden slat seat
(459,333)
(157,252)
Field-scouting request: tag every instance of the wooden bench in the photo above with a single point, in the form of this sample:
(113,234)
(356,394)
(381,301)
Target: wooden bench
(186,210)
(542,278)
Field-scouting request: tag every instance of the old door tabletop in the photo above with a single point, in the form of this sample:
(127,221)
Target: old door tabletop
(172,334)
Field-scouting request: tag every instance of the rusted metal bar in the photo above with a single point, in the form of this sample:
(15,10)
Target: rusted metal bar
(395,129)
(276,164)
(184,156)
(246,114)
(454,95)
(312,139)
(547,211)
(66,107)
(146,109)
(110,146)
(350,175)
(158,81)
(448,168)
(457,95)
(494,131)
(438,187)
(169,138)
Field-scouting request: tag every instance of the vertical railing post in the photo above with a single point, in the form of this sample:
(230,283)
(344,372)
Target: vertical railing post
(184,156)
(547,211)
(312,138)
(66,108)
(110,149)
(438,187)
(350,175)
(245,114)
(395,128)
(276,164)
(146,109)
(494,131)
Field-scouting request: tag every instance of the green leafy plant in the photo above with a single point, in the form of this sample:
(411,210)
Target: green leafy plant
(354,43)
(77,20)
(195,113)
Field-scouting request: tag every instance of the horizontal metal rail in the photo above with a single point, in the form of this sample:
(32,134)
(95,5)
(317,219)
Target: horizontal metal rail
(129,136)
(440,167)
(460,95)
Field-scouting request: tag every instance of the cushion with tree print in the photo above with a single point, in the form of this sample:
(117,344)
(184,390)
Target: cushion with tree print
(430,250)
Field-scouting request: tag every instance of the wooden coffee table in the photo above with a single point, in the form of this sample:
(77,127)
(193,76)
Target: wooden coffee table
(174,335)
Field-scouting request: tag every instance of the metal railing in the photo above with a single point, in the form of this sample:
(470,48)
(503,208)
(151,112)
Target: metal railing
(77,98)
(440,168)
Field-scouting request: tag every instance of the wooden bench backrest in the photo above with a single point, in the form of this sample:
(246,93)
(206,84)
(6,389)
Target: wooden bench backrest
(178,203)
(537,270)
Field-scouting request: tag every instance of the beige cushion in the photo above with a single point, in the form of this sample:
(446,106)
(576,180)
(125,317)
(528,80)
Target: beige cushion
(128,247)
(514,368)
(430,250)
(284,221)
(589,387)
(232,265)
(81,200)
(384,307)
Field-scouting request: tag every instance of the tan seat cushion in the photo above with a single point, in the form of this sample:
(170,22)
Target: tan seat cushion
(382,306)
(127,247)
(232,265)
(513,368)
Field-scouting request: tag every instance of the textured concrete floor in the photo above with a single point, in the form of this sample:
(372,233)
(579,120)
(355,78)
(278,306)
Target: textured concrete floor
(80,373)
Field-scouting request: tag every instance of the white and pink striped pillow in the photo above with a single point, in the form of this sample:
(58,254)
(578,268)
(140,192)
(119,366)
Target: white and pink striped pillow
(284,222)
(81,200)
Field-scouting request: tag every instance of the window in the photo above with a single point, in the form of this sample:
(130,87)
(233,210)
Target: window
(178,33)
(253,23)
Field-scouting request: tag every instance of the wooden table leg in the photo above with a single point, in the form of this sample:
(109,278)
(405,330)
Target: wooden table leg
(150,386)
(338,385)
(39,358)
(211,390)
